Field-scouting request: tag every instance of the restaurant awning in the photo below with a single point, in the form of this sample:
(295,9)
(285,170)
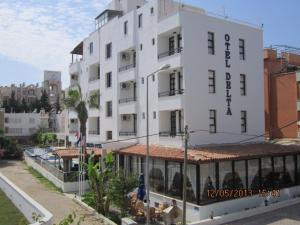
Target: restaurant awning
(70,153)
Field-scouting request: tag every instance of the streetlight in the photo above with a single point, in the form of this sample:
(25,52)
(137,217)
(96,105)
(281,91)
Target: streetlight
(164,67)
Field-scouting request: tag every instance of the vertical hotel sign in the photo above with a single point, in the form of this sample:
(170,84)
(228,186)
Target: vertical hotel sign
(228,75)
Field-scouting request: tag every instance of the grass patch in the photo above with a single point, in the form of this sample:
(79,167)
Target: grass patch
(42,179)
(9,214)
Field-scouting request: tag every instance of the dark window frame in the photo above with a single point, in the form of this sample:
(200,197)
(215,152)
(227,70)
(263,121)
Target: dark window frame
(91,48)
(211,81)
(140,20)
(109,135)
(211,43)
(213,121)
(242,52)
(109,109)
(244,121)
(108,82)
(108,50)
(243,84)
(126,27)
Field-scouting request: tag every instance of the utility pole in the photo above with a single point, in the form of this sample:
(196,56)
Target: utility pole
(186,139)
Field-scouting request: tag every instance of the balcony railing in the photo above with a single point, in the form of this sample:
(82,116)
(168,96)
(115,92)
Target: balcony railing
(170,52)
(91,79)
(127,133)
(171,93)
(126,100)
(94,132)
(127,67)
(171,133)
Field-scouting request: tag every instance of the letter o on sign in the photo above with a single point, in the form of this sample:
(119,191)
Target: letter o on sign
(227,37)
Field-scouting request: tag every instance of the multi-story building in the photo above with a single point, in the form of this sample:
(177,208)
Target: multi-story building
(282,92)
(1,119)
(214,82)
(23,125)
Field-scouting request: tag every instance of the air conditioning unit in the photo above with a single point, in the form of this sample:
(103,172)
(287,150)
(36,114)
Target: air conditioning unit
(125,117)
(125,56)
(125,85)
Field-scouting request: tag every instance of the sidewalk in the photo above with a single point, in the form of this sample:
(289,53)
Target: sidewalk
(57,203)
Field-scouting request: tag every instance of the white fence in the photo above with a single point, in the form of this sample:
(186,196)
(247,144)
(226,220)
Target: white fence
(25,203)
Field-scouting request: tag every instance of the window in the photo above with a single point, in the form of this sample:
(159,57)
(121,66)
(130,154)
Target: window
(91,48)
(142,80)
(125,27)
(140,20)
(143,115)
(266,173)
(244,121)
(153,77)
(174,180)
(212,121)
(153,41)
(243,84)
(141,47)
(154,114)
(151,10)
(226,175)
(242,49)
(211,43)
(108,80)
(109,135)
(207,181)
(157,175)
(109,109)
(253,174)
(289,177)
(240,181)
(108,50)
(211,81)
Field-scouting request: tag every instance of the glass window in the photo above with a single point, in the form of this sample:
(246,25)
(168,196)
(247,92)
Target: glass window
(211,81)
(225,175)
(253,174)
(191,190)
(140,20)
(240,175)
(242,49)
(298,169)
(211,43)
(108,80)
(243,84)
(151,10)
(289,178)
(207,180)
(109,109)
(157,175)
(266,173)
(212,121)
(243,121)
(125,27)
(91,48)
(108,50)
(109,135)
(174,180)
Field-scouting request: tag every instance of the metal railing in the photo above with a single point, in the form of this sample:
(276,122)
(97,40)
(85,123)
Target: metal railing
(125,100)
(170,133)
(91,79)
(127,133)
(127,67)
(171,93)
(170,52)
(94,132)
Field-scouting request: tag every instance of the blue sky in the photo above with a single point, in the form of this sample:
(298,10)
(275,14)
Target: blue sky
(38,35)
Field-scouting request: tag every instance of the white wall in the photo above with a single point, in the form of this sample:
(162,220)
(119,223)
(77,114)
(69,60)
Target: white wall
(24,202)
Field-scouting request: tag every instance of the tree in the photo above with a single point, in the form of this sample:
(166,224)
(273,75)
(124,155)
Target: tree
(45,101)
(12,102)
(5,105)
(99,175)
(119,187)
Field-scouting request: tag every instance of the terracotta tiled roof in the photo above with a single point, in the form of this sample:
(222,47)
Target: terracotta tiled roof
(213,153)
(74,153)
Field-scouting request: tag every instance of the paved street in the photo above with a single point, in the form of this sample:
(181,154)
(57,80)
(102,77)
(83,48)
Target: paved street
(58,204)
(286,216)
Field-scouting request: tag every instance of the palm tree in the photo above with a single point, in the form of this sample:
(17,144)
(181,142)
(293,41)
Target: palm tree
(75,101)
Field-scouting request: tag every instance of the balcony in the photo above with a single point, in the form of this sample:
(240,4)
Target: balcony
(170,133)
(93,126)
(74,68)
(126,100)
(128,125)
(127,133)
(94,75)
(74,80)
(170,93)
(127,65)
(170,53)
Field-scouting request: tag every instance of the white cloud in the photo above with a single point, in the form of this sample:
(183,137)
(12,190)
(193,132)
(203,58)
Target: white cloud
(42,35)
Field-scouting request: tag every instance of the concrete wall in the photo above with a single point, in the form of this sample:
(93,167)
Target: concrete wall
(64,186)
(24,202)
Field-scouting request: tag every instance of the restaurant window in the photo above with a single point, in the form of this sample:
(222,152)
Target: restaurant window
(289,178)
(211,81)
(108,50)
(207,181)
(174,180)
(212,121)
(242,49)
(253,174)
(211,43)
(157,175)
(240,181)
(225,175)
(243,84)
(244,121)
(191,183)
(266,173)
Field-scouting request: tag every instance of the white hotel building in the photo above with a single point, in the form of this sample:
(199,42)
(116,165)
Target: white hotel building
(214,82)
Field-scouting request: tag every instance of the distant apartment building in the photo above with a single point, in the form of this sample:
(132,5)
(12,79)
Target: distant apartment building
(2,119)
(51,84)
(22,125)
(282,92)
(214,82)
